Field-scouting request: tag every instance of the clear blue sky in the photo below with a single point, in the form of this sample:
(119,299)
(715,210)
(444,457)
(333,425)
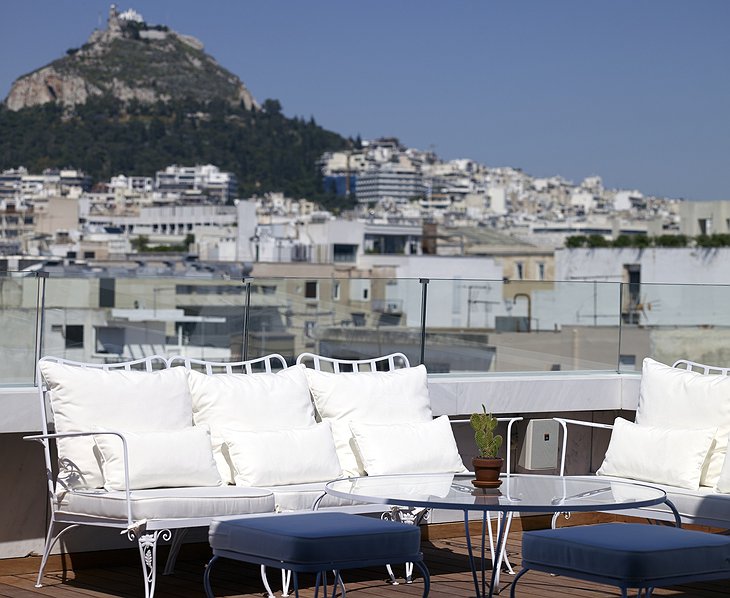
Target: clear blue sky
(636,91)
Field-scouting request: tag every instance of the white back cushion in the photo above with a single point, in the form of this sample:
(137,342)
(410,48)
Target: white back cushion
(175,459)
(280,457)
(398,396)
(86,399)
(264,401)
(675,398)
(662,455)
(412,447)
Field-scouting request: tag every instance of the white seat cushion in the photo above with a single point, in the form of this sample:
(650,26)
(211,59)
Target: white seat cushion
(86,399)
(301,497)
(705,504)
(170,503)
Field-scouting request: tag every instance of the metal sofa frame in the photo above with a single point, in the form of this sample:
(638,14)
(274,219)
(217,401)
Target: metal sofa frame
(658,515)
(146,532)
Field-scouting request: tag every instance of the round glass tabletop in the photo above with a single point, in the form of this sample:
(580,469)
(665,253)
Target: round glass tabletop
(518,492)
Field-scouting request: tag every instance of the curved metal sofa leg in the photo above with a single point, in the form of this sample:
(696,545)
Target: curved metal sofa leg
(177,539)
(50,543)
(147,543)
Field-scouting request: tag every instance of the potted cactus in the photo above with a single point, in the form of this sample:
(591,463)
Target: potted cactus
(487,465)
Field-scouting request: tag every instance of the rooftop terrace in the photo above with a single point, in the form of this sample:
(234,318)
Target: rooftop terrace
(543,348)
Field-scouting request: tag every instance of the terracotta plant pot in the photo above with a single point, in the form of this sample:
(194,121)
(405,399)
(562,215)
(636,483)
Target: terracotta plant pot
(487,471)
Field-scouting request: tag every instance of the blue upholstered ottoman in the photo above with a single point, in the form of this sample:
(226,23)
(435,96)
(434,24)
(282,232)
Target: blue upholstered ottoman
(315,542)
(627,555)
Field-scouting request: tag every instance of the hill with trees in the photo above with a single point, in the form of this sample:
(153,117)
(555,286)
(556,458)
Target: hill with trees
(136,98)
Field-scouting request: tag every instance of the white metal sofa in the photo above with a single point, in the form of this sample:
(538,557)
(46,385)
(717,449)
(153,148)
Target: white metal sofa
(143,405)
(148,410)
(678,441)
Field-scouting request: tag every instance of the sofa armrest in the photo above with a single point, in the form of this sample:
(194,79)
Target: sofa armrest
(44,438)
(564,424)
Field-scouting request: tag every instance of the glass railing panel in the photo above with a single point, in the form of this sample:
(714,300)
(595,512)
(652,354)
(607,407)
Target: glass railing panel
(346,318)
(117,319)
(521,326)
(668,322)
(19,296)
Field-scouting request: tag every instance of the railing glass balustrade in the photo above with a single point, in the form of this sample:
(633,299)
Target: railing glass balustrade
(464,326)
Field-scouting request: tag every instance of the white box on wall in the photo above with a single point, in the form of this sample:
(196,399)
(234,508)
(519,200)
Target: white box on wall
(540,450)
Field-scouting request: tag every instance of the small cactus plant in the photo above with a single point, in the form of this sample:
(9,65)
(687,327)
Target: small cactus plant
(487,441)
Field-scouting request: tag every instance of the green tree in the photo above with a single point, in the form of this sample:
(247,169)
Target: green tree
(141,243)
(671,241)
(597,241)
(575,241)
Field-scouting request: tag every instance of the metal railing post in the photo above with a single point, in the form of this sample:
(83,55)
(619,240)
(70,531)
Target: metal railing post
(246,311)
(424,293)
(620,325)
(40,315)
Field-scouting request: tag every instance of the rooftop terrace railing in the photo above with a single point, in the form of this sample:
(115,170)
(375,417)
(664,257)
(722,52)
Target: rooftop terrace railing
(455,325)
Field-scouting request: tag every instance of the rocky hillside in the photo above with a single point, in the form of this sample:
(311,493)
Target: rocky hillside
(135,99)
(131,60)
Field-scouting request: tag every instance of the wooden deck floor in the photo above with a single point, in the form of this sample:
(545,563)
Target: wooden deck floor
(445,557)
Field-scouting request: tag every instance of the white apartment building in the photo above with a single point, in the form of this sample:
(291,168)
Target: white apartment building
(206,179)
(396,182)
(134,184)
(704,217)
(160,222)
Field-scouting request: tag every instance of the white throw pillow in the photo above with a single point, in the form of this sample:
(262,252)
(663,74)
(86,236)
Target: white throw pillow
(661,455)
(416,447)
(279,457)
(85,399)
(263,401)
(675,398)
(397,396)
(159,459)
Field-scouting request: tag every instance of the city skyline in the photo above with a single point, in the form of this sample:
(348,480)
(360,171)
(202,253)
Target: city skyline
(633,91)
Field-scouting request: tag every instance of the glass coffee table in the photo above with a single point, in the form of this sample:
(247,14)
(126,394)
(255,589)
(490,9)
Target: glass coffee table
(519,492)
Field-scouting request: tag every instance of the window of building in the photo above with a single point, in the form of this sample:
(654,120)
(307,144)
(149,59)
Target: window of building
(335,291)
(519,271)
(705,225)
(360,289)
(89,255)
(541,271)
(74,335)
(311,289)
(344,253)
(106,292)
